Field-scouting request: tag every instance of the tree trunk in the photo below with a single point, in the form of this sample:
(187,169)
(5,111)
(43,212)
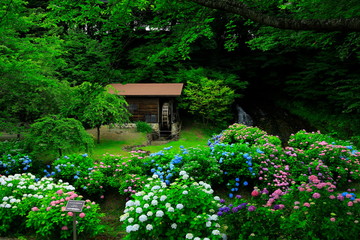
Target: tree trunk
(238,7)
(60,152)
(98,134)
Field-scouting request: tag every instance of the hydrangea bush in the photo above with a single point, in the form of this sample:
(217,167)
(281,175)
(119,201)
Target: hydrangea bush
(185,209)
(198,162)
(41,202)
(15,163)
(49,219)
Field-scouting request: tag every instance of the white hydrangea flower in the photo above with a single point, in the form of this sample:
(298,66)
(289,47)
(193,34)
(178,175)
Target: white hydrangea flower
(216,232)
(174,226)
(179,206)
(129,203)
(197,238)
(159,213)
(143,218)
(138,210)
(181,173)
(189,236)
(129,228)
(137,203)
(149,213)
(217,198)
(135,227)
(156,187)
(130,220)
(213,217)
(208,224)
(139,193)
(167,205)
(124,217)
(163,198)
(149,227)
(146,205)
(185,176)
(154,202)
(146,197)
(185,192)
(171,209)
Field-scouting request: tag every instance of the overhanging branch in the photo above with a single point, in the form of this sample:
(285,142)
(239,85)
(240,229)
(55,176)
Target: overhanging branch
(237,7)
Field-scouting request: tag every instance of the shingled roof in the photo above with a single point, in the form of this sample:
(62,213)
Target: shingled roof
(148,89)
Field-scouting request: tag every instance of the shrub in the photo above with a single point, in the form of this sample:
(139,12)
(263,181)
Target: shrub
(143,127)
(50,221)
(198,161)
(19,193)
(11,147)
(239,133)
(183,209)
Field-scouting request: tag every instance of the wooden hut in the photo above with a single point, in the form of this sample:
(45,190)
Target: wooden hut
(153,103)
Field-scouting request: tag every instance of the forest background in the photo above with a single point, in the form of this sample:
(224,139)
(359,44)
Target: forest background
(301,55)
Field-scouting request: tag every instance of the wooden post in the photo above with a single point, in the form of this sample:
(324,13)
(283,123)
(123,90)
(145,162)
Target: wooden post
(74,226)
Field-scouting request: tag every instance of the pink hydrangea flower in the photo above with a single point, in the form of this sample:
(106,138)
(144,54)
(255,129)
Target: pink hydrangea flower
(306,204)
(70,214)
(34,209)
(82,215)
(64,228)
(316,195)
(255,193)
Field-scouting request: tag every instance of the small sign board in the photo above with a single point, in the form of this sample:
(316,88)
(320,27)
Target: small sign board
(74,206)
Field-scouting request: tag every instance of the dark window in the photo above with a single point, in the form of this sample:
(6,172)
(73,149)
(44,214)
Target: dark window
(133,107)
(150,118)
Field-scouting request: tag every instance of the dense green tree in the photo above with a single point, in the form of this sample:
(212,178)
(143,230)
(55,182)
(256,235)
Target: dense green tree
(53,133)
(209,100)
(28,58)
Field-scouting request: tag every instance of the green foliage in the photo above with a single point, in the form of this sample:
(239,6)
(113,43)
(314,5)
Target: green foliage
(183,209)
(210,100)
(86,59)
(27,62)
(11,146)
(58,134)
(143,127)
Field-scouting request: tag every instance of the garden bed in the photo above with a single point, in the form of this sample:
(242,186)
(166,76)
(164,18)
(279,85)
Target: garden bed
(244,185)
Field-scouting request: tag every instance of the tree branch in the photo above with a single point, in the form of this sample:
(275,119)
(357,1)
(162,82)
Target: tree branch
(237,7)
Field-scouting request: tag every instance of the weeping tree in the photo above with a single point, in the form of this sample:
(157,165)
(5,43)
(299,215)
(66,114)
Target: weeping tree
(105,108)
(54,133)
(95,106)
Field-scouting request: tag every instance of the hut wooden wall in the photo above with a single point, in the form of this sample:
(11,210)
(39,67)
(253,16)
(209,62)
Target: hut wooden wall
(144,109)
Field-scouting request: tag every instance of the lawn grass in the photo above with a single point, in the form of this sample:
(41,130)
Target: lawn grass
(112,142)
(190,136)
